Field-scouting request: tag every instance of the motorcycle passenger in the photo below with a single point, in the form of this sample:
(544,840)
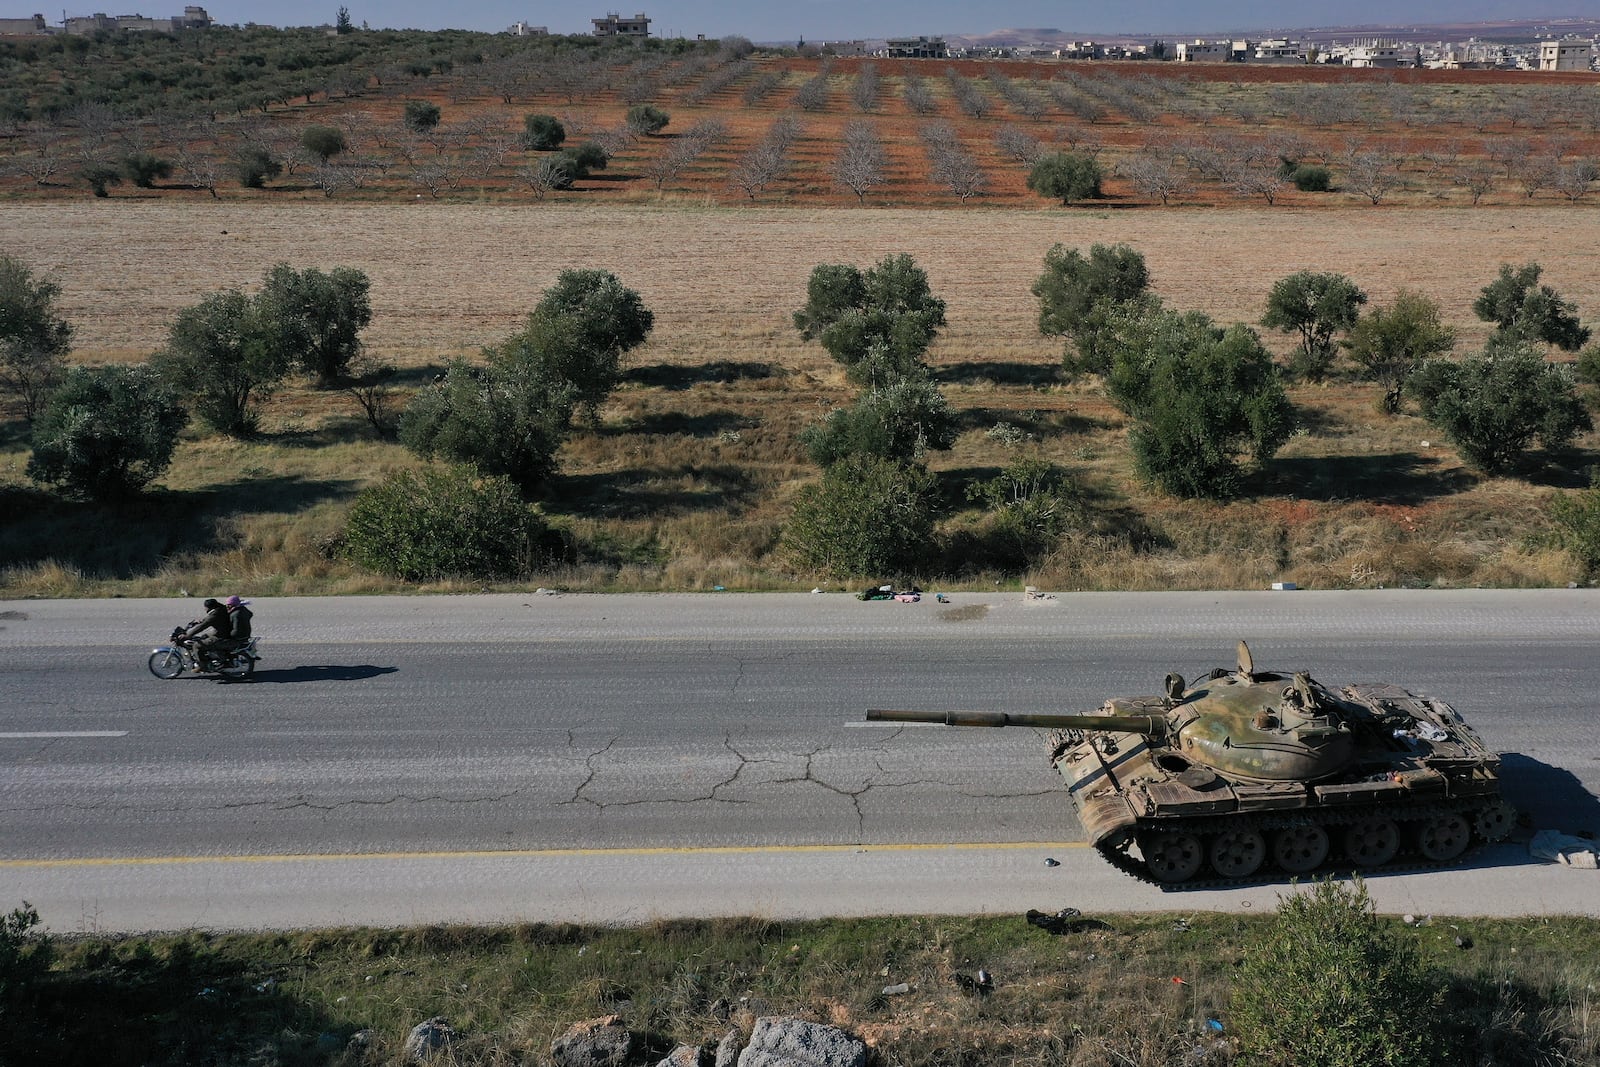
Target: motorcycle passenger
(219,623)
(240,614)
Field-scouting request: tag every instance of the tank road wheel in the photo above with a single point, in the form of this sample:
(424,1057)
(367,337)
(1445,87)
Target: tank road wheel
(1298,849)
(1494,822)
(1372,842)
(1172,857)
(1237,853)
(1444,838)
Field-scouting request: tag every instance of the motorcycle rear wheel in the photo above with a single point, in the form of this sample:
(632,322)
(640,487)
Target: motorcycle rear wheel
(237,669)
(166,664)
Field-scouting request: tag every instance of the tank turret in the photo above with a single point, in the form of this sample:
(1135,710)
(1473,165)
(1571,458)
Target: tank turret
(1252,772)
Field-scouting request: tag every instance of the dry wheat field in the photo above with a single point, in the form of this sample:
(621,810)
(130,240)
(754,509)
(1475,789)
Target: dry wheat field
(689,475)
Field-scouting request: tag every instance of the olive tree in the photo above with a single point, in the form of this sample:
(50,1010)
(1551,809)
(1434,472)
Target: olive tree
(1317,305)
(1066,176)
(877,322)
(1329,984)
(508,418)
(34,338)
(421,115)
(511,416)
(1492,407)
(1389,344)
(220,356)
(1199,396)
(443,523)
(646,119)
(868,516)
(901,421)
(324,142)
(580,329)
(1517,304)
(316,318)
(1079,296)
(106,432)
(542,133)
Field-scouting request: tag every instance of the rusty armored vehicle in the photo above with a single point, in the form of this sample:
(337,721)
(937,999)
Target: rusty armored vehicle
(1251,774)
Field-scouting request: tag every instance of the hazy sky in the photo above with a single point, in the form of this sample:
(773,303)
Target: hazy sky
(821,20)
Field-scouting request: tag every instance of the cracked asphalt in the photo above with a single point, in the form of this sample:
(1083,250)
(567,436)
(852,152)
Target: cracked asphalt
(576,737)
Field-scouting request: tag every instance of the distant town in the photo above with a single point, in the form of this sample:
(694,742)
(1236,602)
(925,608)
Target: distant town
(1567,51)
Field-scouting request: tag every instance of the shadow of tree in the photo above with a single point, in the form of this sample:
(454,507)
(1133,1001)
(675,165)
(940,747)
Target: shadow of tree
(1003,372)
(652,492)
(134,538)
(323,673)
(706,424)
(1395,478)
(675,378)
(135,1001)
(1495,1018)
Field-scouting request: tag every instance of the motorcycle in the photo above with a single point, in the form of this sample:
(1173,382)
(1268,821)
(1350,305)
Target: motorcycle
(169,661)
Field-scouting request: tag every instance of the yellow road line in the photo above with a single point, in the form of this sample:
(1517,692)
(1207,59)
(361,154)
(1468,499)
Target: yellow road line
(537,853)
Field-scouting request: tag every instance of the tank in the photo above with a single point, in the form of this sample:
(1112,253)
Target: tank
(1252,775)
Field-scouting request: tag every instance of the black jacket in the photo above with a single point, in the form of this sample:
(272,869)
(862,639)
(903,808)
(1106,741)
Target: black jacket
(217,621)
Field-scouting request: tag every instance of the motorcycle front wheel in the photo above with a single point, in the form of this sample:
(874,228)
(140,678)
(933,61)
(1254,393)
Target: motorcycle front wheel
(239,668)
(166,663)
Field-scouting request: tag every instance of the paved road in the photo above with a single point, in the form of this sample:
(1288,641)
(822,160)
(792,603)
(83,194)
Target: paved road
(546,757)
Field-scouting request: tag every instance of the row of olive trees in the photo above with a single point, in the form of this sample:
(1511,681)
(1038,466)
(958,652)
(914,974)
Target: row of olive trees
(875,508)
(106,432)
(1200,396)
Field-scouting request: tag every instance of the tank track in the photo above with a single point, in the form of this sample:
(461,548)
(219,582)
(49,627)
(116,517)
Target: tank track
(1405,860)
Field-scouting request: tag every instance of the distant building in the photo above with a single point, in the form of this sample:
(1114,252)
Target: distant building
(193,18)
(1205,52)
(1565,55)
(915,48)
(1078,50)
(24,27)
(522,29)
(1283,52)
(1384,54)
(614,25)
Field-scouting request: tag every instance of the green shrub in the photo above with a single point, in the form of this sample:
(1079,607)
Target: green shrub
(24,955)
(106,432)
(586,157)
(255,165)
(324,142)
(1328,984)
(1199,396)
(142,169)
(868,516)
(1491,407)
(645,119)
(421,115)
(101,176)
(1577,520)
(1069,176)
(542,133)
(1032,503)
(1311,178)
(443,523)
(900,421)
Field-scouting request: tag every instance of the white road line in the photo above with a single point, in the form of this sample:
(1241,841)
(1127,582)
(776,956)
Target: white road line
(67,733)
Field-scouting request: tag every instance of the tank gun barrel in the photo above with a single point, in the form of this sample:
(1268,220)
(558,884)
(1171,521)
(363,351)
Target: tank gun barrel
(1148,725)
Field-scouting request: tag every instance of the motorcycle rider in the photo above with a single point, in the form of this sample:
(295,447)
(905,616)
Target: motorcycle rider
(219,623)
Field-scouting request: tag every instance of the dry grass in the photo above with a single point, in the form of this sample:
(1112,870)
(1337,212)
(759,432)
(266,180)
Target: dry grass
(1120,990)
(687,480)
